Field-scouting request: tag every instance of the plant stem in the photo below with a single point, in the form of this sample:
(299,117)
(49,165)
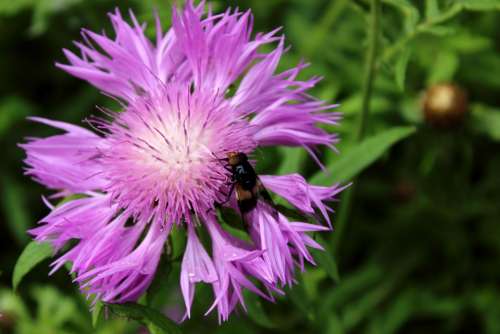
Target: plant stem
(369,74)
(368,79)
(419,29)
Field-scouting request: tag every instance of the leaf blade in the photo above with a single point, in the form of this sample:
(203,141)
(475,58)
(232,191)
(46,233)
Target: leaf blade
(15,208)
(151,318)
(481,5)
(486,121)
(400,68)
(361,156)
(431,9)
(326,259)
(34,253)
(256,311)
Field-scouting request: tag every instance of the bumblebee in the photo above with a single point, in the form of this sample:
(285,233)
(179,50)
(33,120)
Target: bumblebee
(246,183)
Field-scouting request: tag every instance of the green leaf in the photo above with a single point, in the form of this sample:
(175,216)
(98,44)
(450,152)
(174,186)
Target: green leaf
(313,279)
(177,242)
(8,7)
(43,12)
(13,109)
(439,306)
(351,286)
(15,209)
(300,298)
(481,5)
(334,325)
(486,120)
(410,110)
(293,159)
(445,65)
(353,104)
(468,43)
(97,314)
(359,310)
(256,311)
(400,68)
(320,32)
(147,9)
(34,253)
(400,310)
(431,9)
(55,309)
(440,31)
(357,158)
(68,265)
(156,322)
(329,92)
(161,277)
(326,259)
(410,12)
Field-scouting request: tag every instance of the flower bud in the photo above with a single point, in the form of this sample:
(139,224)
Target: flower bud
(444,105)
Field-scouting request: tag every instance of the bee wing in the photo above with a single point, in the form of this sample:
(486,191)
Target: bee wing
(246,199)
(261,192)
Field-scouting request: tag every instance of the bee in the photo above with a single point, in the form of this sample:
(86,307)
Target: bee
(245,181)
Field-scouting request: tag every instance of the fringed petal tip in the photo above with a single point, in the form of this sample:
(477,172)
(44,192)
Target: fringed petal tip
(302,195)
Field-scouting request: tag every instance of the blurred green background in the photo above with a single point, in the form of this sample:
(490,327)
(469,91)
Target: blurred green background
(418,246)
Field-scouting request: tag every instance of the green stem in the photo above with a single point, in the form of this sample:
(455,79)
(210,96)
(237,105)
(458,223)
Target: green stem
(368,79)
(419,29)
(369,75)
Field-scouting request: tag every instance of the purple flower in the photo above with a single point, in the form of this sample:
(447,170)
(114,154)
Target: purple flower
(158,163)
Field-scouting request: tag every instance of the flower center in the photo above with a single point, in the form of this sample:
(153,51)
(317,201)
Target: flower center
(174,146)
(162,156)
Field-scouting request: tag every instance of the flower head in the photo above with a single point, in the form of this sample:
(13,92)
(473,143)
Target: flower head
(160,161)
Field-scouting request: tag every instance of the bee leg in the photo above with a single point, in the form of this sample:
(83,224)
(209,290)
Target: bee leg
(226,165)
(229,194)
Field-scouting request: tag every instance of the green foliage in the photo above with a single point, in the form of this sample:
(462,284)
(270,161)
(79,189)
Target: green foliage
(12,110)
(400,68)
(97,314)
(33,254)
(410,13)
(156,322)
(445,65)
(12,7)
(486,120)
(18,217)
(481,4)
(326,260)
(55,313)
(256,310)
(360,156)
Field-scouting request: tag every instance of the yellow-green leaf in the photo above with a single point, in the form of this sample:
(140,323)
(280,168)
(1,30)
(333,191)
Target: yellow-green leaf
(33,254)
(357,158)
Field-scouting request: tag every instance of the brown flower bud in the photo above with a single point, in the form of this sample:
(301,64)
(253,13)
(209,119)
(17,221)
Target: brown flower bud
(444,105)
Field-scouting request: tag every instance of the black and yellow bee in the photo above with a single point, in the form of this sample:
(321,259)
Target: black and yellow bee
(244,180)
